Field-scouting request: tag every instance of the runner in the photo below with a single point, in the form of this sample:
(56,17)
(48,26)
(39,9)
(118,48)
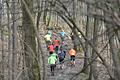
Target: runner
(72,54)
(47,39)
(51,48)
(61,56)
(52,62)
(56,44)
(62,35)
(63,47)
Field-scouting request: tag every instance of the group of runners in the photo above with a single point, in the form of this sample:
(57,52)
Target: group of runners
(58,49)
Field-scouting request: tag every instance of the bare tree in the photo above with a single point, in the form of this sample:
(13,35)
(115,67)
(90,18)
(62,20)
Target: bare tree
(14,40)
(31,61)
(2,42)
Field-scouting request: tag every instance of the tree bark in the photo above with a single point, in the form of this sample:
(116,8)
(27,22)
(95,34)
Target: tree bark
(14,40)
(2,43)
(93,67)
(88,49)
(31,60)
(114,51)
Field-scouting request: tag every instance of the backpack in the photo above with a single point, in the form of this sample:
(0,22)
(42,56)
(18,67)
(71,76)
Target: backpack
(61,55)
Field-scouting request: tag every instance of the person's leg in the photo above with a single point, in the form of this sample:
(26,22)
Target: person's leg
(64,53)
(74,60)
(51,52)
(71,60)
(62,63)
(52,69)
(59,60)
(46,43)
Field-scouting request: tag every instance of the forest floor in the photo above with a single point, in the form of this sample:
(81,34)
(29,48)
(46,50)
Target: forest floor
(69,71)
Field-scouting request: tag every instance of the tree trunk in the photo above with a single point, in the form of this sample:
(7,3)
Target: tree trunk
(45,12)
(9,41)
(88,49)
(3,53)
(114,51)
(93,67)
(31,60)
(2,44)
(14,40)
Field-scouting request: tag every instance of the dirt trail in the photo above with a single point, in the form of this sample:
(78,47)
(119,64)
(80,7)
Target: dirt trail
(67,72)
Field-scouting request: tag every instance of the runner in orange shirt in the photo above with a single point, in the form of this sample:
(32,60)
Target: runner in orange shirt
(72,54)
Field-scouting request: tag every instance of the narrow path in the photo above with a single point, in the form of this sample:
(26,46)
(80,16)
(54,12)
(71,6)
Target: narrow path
(68,71)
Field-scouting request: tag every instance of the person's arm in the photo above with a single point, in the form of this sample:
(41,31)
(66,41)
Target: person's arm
(56,56)
(56,61)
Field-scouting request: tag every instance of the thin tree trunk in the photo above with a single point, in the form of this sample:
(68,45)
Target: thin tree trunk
(74,10)
(40,6)
(14,41)
(3,54)
(45,12)
(39,13)
(93,67)
(88,48)
(9,41)
(2,75)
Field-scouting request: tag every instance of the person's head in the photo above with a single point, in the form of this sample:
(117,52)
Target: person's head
(50,43)
(74,49)
(55,38)
(71,49)
(53,54)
